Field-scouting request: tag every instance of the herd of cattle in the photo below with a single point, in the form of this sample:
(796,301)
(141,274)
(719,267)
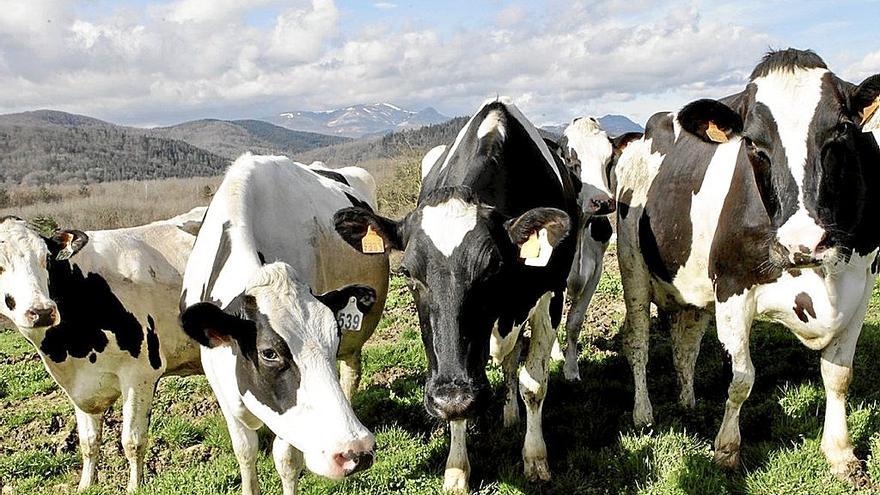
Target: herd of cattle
(755,204)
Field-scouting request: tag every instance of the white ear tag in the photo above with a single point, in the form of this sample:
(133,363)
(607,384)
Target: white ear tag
(350,317)
(544,251)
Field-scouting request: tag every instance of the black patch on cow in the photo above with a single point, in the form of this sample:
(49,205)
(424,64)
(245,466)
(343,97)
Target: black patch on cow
(787,60)
(803,306)
(224,250)
(661,131)
(181,305)
(623,203)
(10,302)
(93,357)
(358,203)
(331,175)
(875,264)
(89,308)
(153,344)
(600,228)
(262,257)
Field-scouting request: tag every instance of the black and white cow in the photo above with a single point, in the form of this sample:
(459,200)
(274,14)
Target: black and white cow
(101,309)
(756,204)
(274,296)
(496,189)
(591,155)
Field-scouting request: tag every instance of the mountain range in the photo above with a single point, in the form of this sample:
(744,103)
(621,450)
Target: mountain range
(357,121)
(614,125)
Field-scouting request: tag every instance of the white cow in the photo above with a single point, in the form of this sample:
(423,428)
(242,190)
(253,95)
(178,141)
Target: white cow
(268,294)
(101,309)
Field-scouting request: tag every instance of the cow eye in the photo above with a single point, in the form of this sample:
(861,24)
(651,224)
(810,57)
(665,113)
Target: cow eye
(845,127)
(270,355)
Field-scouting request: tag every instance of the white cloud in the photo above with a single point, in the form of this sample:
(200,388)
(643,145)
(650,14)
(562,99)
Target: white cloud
(198,58)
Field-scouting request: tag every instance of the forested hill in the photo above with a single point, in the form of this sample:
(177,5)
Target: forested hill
(45,146)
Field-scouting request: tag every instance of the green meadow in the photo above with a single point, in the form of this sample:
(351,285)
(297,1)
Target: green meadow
(592,445)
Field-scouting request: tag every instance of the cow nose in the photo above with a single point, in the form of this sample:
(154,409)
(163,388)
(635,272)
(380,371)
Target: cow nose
(604,205)
(451,399)
(42,317)
(802,256)
(355,456)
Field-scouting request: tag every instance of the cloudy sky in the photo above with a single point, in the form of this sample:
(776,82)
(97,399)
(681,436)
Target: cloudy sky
(152,62)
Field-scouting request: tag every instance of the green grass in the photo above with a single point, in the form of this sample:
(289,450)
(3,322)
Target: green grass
(592,445)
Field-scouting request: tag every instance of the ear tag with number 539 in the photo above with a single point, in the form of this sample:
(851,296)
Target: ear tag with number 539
(350,317)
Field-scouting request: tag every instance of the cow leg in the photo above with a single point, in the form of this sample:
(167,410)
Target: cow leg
(350,374)
(836,375)
(89,427)
(245,444)
(510,365)
(136,402)
(289,464)
(575,320)
(636,325)
(533,389)
(687,327)
(734,321)
(458,468)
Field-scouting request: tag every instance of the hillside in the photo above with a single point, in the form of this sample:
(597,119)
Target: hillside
(45,146)
(357,121)
(229,139)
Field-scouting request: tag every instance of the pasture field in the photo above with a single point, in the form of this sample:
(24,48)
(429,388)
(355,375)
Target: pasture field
(593,447)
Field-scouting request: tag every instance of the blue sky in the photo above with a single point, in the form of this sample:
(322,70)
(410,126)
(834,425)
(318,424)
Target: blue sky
(149,62)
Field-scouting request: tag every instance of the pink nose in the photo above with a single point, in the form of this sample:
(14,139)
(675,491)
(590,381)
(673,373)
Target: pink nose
(355,456)
(42,317)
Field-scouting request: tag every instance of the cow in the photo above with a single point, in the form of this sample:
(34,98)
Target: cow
(100,307)
(274,296)
(591,155)
(758,203)
(486,250)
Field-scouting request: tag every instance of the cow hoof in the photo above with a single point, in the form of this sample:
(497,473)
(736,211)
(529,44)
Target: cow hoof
(536,469)
(727,457)
(455,481)
(852,472)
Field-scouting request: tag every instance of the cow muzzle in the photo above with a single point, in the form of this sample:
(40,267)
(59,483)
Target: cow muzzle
(42,316)
(600,205)
(450,399)
(355,457)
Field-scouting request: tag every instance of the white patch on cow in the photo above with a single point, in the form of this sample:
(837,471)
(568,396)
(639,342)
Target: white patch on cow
(792,97)
(447,223)
(692,280)
(431,158)
(636,169)
(676,125)
(586,137)
(493,123)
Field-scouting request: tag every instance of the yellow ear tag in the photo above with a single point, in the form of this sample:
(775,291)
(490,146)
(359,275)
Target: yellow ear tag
(531,248)
(544,250)
(372,242)
(716,134)
(871,117)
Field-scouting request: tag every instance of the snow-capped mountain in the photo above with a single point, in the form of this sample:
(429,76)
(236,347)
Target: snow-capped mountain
(357,120)
(614,125)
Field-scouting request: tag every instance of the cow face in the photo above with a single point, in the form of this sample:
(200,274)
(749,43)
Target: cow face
(24,275)
(459,260)
(282,341)
(801,130)
(588,152)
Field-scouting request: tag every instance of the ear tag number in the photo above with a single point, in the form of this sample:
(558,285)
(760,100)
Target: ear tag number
(716,134)
(537,249)
(372,242)
(350,317)
(871,117)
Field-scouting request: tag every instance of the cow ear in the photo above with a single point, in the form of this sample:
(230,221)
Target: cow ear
(65,243)
(865,103)
(364,296)
(710,120)
(210,326)
(367,232)
(536,230)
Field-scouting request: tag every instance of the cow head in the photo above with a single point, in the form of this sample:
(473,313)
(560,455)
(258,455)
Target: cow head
(460,258)
(282,342)
(25,257)
(591,155)
(801,129)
